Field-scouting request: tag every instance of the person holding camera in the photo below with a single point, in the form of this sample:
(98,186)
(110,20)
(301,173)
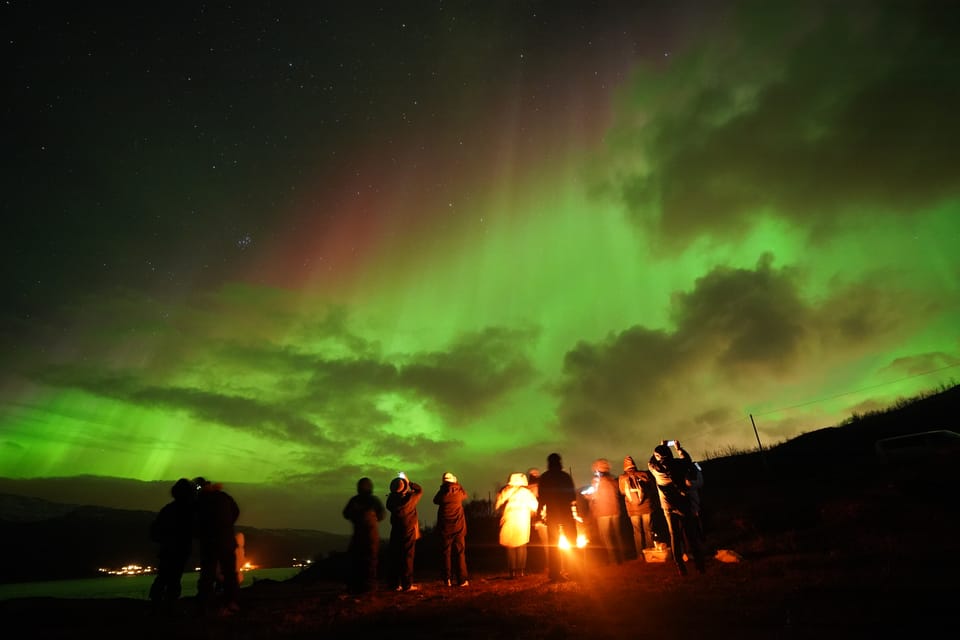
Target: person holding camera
(404,531)
(671,475)
(452,530)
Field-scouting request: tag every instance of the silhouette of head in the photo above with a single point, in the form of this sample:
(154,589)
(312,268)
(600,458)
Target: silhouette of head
(398,485)
(629,464)
(365,486)
(554,461)
(183,489)
(663,451)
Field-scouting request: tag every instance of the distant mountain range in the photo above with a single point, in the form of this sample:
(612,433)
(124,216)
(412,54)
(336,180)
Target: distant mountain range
(44,540)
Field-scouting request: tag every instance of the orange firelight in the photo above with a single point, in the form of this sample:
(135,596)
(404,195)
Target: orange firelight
(563,543)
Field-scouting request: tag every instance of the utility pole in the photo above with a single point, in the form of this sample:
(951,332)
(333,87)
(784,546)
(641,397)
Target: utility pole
(759,444)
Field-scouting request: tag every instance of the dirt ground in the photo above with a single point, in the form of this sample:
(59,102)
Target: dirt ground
(788,596)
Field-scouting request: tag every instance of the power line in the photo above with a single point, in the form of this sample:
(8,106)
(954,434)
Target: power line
(847,393)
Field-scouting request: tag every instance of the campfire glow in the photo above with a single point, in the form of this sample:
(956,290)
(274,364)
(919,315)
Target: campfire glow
(564,544)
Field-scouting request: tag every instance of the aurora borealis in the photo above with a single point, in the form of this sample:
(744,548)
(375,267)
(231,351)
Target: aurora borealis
(288,246)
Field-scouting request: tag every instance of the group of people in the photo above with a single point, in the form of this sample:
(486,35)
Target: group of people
(201,511)
(529,504)
(669,488)
(365,512)
(538,505)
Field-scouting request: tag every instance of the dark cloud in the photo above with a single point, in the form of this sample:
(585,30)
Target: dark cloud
(476,371)
(234,411)
(923,363)
(317,400)
(737,330)
(841,110)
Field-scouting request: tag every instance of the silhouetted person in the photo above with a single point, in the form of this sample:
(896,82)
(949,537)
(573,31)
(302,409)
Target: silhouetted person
(538,528)
(404,531)
(366,512)
(641,498)
(452,530)
(556,499)
(670,475)
(172,530)
(519,505)
(217,512)
(605,509)
(694,483)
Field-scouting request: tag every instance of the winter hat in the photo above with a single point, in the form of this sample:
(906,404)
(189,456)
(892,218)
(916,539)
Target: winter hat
(398,485)
(517,480)
(449,477)
(601,465)
(629,464)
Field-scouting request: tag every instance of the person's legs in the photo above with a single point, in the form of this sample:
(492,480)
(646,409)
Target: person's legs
(604,528)
(207,581)
(553,551)
(646,530)
(695,542)
(446,548)
(460,551)
(636,524)
(675,526)
(409,550)
(231,581)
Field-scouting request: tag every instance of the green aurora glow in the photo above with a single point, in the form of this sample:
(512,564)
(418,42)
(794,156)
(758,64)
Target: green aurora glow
(765,219)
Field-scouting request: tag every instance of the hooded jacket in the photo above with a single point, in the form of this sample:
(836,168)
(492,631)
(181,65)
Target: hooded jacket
(404,520)
(638,489)
(451,519)
(518,504)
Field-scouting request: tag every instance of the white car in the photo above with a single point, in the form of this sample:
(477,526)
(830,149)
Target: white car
(939,443)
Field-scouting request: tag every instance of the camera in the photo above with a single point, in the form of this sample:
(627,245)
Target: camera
(671,443)
(401,474)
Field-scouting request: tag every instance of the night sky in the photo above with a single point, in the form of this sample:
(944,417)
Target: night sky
(288,245)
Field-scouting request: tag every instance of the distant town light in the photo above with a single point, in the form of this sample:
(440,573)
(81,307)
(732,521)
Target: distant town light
(127,570)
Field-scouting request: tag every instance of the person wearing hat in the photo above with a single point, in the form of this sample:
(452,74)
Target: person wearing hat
(518,504)
(605,509)
(452,530)
(670,474)
(404,531)
(640,495)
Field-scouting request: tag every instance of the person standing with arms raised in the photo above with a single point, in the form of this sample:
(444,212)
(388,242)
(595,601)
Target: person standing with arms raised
(452,530)
(404,531)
